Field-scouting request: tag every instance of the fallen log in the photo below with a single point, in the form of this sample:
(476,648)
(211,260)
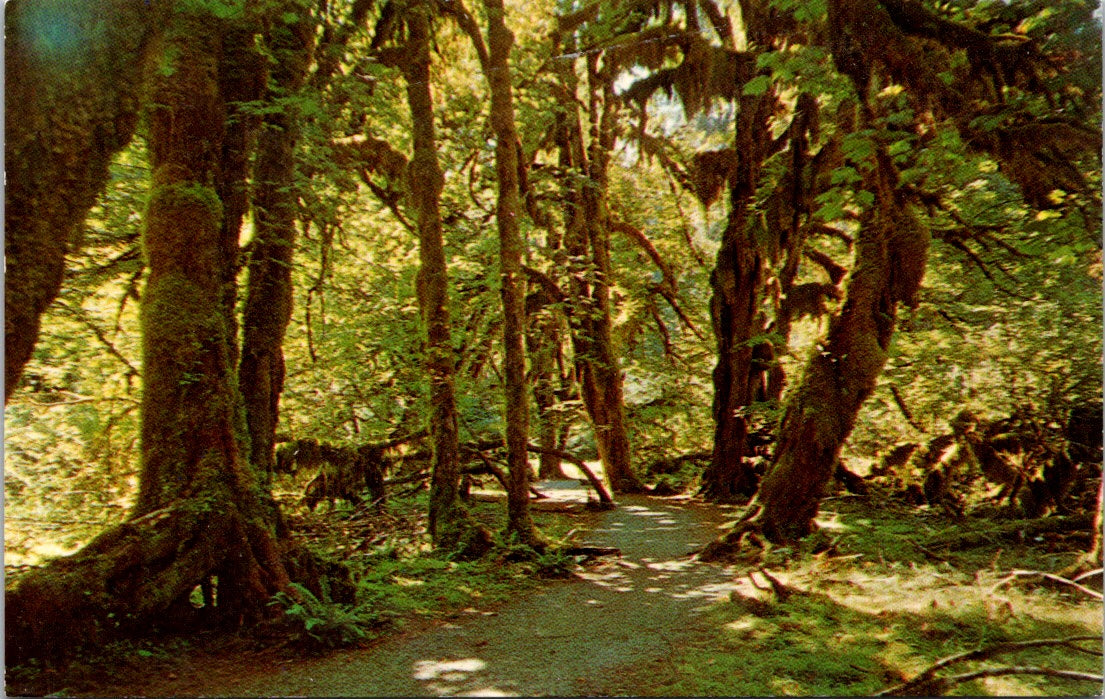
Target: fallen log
(604,497)
(535,504)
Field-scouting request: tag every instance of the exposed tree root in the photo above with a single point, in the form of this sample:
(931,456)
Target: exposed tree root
(138,576)
(746,531)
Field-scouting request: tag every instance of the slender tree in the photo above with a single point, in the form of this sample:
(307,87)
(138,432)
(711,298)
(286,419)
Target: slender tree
(512,283)
(450,525)
(587,247)
(268,304)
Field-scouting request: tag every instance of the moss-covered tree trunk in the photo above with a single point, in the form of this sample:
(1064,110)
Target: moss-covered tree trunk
(200,513)
(737,281)
(450,525)
(891,252)
(268,305)
(512,285)
(72,78)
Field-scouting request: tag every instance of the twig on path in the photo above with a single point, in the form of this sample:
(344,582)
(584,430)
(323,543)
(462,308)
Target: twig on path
(928,683)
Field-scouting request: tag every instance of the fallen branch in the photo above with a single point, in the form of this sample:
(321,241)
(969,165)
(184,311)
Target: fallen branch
(928,683)
(604,497)
(591,551)
(1015,574)
(906,412)
(535,504)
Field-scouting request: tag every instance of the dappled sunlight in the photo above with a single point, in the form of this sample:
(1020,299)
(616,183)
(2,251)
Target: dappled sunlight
(447,669)
(454,677)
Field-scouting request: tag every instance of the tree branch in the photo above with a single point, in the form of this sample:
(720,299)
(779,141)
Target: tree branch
(927,680)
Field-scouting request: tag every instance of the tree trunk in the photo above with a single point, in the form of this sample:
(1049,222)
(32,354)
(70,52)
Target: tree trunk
(737,282)
(542,346)
(511,252)
(73,72)
(450,525)
(200,514)
(268,305)
(891,251)
(587,237)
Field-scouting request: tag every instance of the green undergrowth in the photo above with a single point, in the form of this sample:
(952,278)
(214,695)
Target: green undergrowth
(872,611)
(401,580)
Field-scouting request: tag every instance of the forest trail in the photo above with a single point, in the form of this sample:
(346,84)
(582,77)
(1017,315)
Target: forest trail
(569,639)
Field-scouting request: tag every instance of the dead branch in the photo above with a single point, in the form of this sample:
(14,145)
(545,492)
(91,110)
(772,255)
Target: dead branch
(927,682)
(665,291)
(1018,574)
(600,489)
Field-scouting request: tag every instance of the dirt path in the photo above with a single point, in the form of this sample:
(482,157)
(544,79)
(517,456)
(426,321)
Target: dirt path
(567,640)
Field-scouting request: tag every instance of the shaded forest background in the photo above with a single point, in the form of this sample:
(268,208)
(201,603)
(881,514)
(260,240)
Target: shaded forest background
(345,249)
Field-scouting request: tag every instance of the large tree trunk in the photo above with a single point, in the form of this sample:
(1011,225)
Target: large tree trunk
(199,514)
(737,282)
(511,252)
(891,252)
(450,525)
(268,305)
(72,74)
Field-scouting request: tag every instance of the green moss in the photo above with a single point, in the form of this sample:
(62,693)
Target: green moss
(182,229)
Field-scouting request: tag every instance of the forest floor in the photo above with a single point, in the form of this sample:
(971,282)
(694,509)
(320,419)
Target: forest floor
(872,609)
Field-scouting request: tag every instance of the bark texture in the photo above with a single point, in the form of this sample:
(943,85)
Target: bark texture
(891,253)
(737,282)
(268,305)
(73,76)
(450,525)
(512,285)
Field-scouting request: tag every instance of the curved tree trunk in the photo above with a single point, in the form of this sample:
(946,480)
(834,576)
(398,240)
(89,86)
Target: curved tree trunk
(891,253)
(72,74)
(450,525)
(268,305)
(200,513)
(511,252)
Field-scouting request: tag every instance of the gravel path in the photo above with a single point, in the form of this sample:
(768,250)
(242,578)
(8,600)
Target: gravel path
(569,639)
